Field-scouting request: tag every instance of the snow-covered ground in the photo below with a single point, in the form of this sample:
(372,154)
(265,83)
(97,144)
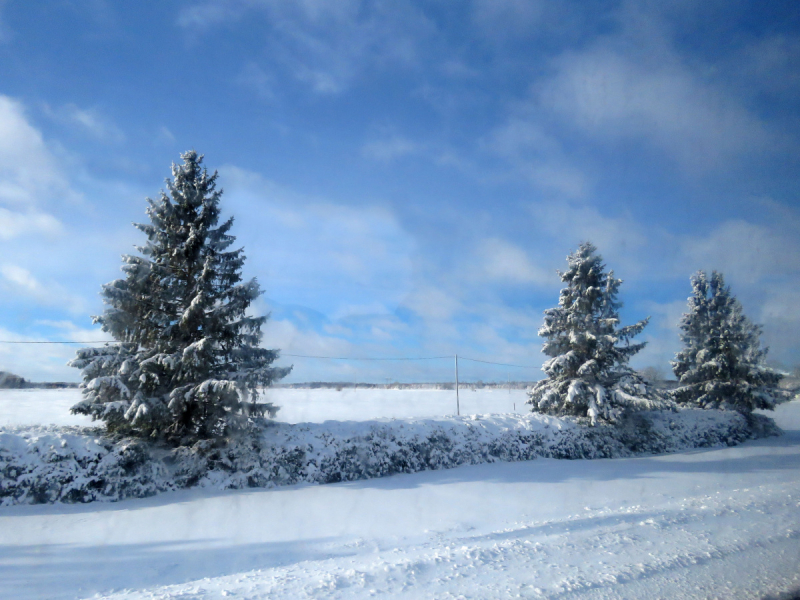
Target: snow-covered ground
(712,523)
(51,407)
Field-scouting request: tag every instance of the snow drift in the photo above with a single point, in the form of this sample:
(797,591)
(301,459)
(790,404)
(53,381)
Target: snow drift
(73,464)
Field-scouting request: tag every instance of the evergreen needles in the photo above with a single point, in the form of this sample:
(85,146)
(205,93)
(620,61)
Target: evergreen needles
(189,364)
(722,364)
(588,373)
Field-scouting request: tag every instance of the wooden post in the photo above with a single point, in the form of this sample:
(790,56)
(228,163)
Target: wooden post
(458,404)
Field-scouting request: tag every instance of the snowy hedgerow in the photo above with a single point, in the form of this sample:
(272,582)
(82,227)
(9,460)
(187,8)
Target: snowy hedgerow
(59,464)
(722,364)
(588,373)
(189,364)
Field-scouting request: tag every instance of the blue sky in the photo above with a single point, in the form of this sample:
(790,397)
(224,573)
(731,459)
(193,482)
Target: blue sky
(406,177)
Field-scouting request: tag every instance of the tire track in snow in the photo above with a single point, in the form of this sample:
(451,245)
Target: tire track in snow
(584,555)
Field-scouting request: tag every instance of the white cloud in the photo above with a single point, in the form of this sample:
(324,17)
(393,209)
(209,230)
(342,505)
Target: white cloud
(29,174)
(501,19)
(390,149)
(565,180)
(538,157)
(207,14)
(325,44)
(362,309)
(290,339)
(661,335)
(761,262)
(306,245)
(254,77)
(619,239)
(88,120)
(69,331)
(14,224)
(780,315)
(432,303)
(668,315)
(499,260)
(744,251)
(767,67)
(165,136)
(21,277)
(18,280)
(782,305)
(613,96)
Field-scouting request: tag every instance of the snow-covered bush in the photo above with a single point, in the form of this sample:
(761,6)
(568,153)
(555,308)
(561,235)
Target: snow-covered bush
(72,464)
(588,373)
(42,465)
(189,364)
(722,364)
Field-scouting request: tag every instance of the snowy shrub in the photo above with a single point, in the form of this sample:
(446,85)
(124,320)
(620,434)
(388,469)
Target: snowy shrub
(722,364)
(189,365)
(588,373)
(69,465)
(62,464)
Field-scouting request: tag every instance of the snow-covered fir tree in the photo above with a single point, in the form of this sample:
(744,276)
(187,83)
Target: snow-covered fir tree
(588,373)
(722,364)
(188,364)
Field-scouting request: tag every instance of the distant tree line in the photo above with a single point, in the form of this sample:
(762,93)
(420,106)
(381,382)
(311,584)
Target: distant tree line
(10,381)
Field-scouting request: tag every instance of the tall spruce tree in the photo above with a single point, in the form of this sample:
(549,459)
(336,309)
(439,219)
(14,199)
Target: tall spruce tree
(722,364)
(189,364)
(588,373)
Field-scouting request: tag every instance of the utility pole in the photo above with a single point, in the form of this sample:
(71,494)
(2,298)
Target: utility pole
(458,404)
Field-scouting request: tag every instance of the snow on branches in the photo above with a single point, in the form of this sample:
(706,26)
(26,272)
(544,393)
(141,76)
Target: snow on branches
(722,364)
(588,373)
(188,364)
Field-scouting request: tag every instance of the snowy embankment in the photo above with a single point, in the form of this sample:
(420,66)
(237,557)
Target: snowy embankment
(44,464)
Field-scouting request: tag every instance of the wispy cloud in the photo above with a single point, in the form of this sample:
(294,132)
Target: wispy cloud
(29,173)
(749,252)
(538,156)
(31,180)
(307,244)
(16,224)
(503,18)
(621,240)
(203,15)
(610,96)
(324,44)
(20,281)
(391,148)
(165,137)
(252,76)
(502,261)
(88,120)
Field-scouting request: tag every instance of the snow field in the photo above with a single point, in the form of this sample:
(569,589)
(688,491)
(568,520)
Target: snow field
(51,407)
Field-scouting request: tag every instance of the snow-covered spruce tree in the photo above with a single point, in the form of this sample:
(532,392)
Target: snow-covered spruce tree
(588,373)
(722,364)
(189,364)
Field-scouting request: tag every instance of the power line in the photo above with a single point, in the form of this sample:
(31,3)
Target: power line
(488,362)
